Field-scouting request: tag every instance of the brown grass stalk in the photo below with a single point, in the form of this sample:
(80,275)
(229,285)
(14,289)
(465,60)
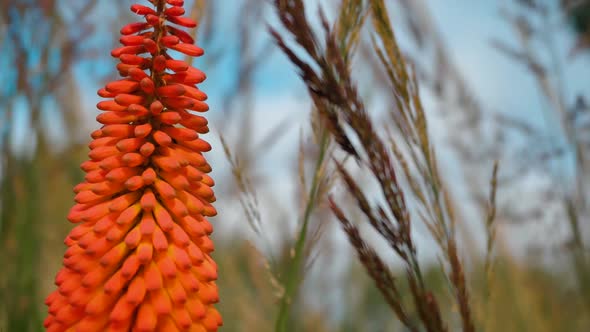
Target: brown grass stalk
(335,95)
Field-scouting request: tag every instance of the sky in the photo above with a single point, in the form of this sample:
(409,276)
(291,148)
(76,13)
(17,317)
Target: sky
(467,28)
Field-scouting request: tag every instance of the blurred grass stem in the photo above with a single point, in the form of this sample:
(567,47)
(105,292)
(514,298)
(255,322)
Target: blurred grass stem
(294,270)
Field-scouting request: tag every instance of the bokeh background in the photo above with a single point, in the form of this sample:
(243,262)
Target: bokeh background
(501,80)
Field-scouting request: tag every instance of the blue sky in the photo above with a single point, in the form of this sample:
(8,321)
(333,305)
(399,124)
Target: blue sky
(467,28)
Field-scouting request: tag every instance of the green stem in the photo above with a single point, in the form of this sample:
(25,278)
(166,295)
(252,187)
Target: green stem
(295,268)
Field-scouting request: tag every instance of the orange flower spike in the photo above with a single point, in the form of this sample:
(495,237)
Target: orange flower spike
(139,258)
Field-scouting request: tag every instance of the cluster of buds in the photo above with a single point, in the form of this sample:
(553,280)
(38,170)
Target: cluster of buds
(139,257)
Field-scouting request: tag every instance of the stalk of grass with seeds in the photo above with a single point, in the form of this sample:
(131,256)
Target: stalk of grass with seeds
(292,15)
(334,93)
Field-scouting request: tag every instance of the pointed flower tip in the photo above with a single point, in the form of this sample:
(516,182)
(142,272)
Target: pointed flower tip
(139,257)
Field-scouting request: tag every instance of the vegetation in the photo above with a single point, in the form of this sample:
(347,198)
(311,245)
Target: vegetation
(371,179)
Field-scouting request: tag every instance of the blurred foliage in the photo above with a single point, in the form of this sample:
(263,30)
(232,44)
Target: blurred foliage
(43,47)
(42,117)
(578,14)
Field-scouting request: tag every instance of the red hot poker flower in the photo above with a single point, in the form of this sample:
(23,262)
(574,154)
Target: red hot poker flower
(139,257)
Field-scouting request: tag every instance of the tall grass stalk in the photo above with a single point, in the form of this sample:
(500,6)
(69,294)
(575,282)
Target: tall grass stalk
(335,95)
(293,276)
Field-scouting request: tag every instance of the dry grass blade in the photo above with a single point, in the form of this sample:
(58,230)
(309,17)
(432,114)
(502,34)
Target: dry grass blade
(248,200)
(411,120)
(379,220)
(353,14)
(490,227)
(374,266)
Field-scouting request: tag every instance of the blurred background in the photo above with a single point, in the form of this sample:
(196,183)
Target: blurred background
(500,80)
